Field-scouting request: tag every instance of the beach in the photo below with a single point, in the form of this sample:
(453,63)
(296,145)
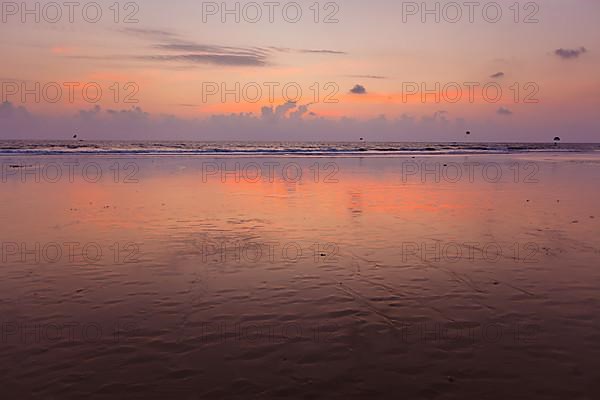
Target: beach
(439,276)
(300,200)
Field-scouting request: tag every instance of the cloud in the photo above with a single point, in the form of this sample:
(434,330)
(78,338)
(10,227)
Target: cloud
(285,122)
(504,111)
(8,110)
(90,114)
(280,112)
(368,76)
(497,75)
(131,114)
(215,59)
(306,51)
(188,105)
(213,49)
(150,33)
(321,51)
(170,47)
(438,116)
(567,54)
(199,53)
(189,52)
(301,111)
(358,89)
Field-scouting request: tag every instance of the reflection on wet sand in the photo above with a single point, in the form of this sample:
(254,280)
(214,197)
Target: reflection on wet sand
(359,277)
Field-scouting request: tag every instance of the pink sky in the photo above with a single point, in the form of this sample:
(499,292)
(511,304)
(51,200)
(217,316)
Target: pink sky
(189,70)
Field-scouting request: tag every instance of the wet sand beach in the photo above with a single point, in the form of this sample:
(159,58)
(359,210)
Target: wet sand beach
(427,276)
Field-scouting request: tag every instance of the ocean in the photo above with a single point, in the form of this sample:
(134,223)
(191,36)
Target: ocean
(280,148)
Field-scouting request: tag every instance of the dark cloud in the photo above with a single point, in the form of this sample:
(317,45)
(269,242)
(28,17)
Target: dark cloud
(288,122)
(131,114)
(90,114)
(187,105)
(189,52)
(567,54)
(213,49)
(183,51)
(277,113)
(215,59)
(150,33)
(306,51)
(322,51)
(497,75)
(504,111)
(368,76)
(358,89)
(300,111)
(438,116)
(8,110)
(223,59)
(281,49)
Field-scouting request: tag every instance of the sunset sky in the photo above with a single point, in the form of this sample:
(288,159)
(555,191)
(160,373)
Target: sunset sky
(359,76)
